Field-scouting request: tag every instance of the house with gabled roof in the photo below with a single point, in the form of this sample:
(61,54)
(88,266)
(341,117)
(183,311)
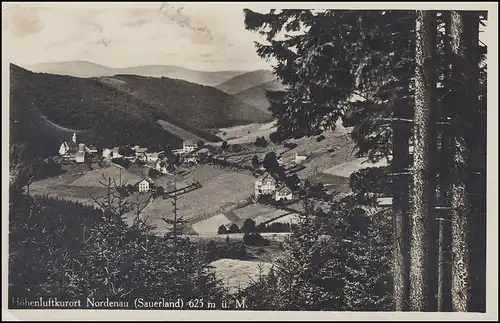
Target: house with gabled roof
(283,193)
(68,147)
(144,185)
(265,184)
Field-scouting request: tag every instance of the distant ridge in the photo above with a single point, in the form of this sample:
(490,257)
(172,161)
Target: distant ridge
(245,81)
(256,96)
(86,69)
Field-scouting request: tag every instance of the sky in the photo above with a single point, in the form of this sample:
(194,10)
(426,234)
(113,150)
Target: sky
(200,36)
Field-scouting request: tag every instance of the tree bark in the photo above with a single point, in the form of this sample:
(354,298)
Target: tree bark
(423,238)
(445,179)
(400,206)
(465,76)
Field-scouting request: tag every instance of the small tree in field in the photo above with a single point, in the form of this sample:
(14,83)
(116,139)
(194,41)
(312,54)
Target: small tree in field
(234,228)
(222,229)
(249,226)
(255,162)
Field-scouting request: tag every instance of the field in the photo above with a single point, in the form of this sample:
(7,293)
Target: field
(238,273)
(246,133)
(221,190)
(258,212)
(347,168)
(211,225)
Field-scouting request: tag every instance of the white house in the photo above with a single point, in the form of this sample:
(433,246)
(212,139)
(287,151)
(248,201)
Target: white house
(144,185)
(64,149)
(189,146)
(284,193)
(265,184)
(300,158)
(80,156)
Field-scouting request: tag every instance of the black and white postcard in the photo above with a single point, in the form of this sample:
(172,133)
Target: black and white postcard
(249,161)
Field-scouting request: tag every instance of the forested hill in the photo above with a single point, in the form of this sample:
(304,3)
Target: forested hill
(188,104)
(106,115)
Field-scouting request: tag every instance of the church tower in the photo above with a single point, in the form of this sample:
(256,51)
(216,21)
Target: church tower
(74,137)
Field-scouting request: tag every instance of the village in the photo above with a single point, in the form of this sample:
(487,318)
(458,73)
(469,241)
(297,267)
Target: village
(217,185)
(266,184)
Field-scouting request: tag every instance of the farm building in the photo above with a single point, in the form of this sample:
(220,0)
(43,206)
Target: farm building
(188,146)
(284,193)
(266,184)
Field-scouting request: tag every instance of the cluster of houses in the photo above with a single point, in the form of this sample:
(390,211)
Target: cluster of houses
(266,184)
(72,151)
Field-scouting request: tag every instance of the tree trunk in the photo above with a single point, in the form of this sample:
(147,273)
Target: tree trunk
(465,67)
(445,179)
(423,253)
(476,184)
(400,205)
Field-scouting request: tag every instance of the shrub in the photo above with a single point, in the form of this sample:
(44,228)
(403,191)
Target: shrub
(260,142)
(255,239)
